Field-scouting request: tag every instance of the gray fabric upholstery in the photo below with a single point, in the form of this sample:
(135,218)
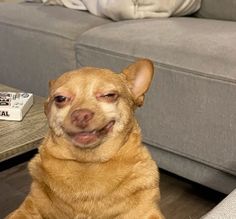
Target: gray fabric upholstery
(190,108)
(225,209)
(38,42)
(193,170)
(220,9)
(188,43)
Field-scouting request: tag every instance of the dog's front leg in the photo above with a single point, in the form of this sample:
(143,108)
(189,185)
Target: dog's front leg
(155,215)
(27,210)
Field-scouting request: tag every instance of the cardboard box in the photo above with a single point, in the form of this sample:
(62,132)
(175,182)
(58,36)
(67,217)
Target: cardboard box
(14,106)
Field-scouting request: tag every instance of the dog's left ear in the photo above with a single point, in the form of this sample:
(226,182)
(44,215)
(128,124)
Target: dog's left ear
(139,76)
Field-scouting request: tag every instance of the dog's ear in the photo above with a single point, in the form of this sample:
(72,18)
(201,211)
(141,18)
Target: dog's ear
(139,76)
(51,83)
(46,103)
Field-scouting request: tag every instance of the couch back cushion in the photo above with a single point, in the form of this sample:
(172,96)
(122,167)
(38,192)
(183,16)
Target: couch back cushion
(218,9)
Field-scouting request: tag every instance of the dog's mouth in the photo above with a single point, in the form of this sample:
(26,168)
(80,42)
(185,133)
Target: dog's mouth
(87,139)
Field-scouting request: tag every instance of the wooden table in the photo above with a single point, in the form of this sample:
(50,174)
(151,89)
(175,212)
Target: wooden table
(17,138)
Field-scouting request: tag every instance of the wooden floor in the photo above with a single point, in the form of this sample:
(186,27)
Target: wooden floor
(181,199)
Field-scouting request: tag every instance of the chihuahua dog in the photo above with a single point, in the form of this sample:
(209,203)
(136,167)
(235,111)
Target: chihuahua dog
(92,163)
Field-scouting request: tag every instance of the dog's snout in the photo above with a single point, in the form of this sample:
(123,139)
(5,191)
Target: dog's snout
(81,117)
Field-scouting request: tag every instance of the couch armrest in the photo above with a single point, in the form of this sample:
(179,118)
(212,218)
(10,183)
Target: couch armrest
(226,209)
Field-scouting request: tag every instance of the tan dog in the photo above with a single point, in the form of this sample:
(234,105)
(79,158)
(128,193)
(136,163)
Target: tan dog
(92,164)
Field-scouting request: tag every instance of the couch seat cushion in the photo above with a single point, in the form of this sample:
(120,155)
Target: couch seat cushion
(190,109)
(204,46)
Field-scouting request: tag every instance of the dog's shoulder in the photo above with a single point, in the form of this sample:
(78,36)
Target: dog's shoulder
(35,167)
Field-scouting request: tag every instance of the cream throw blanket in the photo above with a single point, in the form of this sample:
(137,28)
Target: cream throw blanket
(132,9)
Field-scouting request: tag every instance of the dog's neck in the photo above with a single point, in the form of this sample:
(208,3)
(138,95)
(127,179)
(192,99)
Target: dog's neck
(60,148)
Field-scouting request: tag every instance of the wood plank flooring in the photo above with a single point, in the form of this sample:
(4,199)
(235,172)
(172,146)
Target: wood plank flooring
(181,199)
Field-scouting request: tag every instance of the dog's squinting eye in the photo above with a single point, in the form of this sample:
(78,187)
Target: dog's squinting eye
(108,97)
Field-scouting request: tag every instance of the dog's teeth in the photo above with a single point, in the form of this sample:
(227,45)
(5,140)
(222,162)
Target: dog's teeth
(94,132)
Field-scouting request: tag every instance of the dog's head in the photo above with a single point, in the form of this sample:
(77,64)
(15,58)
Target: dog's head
(91,106)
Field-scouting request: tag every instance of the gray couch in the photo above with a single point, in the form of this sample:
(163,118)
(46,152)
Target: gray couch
(189,118)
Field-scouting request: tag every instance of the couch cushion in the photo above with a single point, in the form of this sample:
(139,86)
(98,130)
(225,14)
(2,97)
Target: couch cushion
(220,9)
(190,109)
(204,46)
(37,42)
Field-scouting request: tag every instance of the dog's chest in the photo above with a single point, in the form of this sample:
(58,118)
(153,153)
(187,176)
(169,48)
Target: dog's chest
(90,189)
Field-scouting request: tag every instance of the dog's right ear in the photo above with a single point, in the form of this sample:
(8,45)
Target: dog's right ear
(139,76)
(51,83)
(46,103)
(46,110)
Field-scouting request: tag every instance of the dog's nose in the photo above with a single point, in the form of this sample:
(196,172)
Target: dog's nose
(81,117)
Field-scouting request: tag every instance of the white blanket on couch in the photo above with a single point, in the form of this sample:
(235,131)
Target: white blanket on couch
(132,9)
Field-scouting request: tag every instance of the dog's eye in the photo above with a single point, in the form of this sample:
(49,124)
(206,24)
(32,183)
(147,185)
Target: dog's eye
(60,99)
(108,97)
